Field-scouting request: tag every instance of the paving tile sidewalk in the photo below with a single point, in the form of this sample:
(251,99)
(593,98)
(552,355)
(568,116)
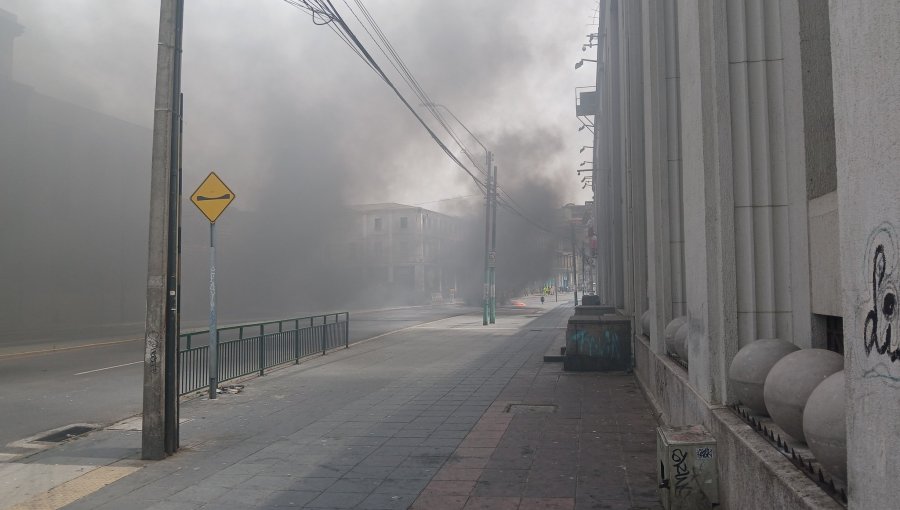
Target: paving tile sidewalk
(451,415)
(554,440)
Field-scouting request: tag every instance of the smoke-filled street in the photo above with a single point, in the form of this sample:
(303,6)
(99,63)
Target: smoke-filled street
(449,255)
(99,383)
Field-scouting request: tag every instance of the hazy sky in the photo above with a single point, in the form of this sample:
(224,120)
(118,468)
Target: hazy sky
(272,100)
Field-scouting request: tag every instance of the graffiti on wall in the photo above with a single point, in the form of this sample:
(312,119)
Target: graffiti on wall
(605,346)
(682,473)
(880,335)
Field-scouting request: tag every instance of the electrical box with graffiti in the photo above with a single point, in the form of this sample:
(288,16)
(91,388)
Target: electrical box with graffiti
(687,473)
(597,340)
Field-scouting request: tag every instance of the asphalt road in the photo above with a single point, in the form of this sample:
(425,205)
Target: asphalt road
(100,383)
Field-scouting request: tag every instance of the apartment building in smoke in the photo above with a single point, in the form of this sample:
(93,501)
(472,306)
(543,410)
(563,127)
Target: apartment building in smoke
(405,252)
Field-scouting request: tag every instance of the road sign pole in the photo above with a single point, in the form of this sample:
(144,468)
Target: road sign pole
(212,197)
(213,332)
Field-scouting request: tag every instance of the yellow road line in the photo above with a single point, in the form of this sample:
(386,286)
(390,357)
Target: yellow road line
(75,489)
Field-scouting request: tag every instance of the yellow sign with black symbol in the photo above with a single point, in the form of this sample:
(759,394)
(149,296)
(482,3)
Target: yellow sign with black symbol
(212,197)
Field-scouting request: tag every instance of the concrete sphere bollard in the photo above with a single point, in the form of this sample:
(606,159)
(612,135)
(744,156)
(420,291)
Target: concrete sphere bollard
(792,380)
(681,341)
(671,329)
(824,425)
(749,368)
(645,323)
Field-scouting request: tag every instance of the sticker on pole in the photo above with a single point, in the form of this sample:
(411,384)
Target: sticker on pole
(212,197)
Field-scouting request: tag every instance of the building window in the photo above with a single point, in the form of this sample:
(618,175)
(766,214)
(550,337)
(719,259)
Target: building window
(378,224)
(404,222)
(834,334)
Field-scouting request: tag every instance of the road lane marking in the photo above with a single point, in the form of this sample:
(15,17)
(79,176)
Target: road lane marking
(455,328)
(109,368)
(60,349)
(75,489)
(376,337)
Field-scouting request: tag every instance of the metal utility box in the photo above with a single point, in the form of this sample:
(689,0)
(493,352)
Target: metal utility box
(597,341)
(591,300)
(687,473)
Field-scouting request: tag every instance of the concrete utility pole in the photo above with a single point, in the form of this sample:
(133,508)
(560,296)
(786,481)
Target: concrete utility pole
(487,240)
(159,433)
(494,247)
(574,265)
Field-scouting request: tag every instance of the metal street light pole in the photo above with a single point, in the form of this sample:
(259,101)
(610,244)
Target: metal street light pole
(489,303)
(488,262)
(493,282)
(574,264)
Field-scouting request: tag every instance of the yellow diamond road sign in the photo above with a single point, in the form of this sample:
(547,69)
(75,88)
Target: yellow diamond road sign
(212,197)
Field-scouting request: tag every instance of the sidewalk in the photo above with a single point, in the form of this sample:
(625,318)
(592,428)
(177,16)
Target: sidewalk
(448,415)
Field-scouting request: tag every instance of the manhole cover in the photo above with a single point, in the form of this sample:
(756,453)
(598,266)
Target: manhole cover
(66,433)
(531,408)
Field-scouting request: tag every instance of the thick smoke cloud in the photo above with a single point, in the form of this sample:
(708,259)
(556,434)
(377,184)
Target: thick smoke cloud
(299,127)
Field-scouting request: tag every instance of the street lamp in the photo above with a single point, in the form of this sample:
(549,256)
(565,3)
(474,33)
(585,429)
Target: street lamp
(583,147)
(582,61)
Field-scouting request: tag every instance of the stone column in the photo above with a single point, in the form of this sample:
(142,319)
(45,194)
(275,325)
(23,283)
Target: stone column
(657,176)
(635,242)
(865,43)
(707,194)
(672,105)
(616,154)
(771,246)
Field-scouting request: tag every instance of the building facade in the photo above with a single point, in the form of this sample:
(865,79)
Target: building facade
(74,208)
(746,182)
(574,225)
(406,252)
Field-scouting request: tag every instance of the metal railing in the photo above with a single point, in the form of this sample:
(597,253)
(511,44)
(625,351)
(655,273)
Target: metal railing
(253,348)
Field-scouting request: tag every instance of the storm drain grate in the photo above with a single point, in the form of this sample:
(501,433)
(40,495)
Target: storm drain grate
(531,408)
(67,433)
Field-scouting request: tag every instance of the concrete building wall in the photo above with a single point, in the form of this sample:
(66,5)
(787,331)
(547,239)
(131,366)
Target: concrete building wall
(726,177)
(818,107)
(865,43)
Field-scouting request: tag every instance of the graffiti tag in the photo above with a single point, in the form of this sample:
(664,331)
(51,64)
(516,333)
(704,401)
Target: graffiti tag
(879,332)
(682,486)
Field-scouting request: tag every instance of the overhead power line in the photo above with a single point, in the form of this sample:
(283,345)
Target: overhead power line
(323,12)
